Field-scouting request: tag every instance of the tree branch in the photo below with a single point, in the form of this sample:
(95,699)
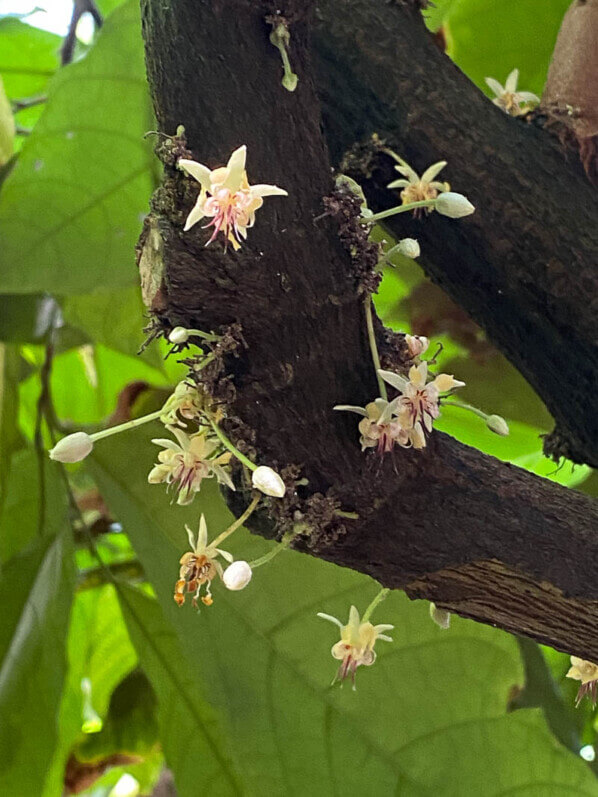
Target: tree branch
(449,524)
(525,265)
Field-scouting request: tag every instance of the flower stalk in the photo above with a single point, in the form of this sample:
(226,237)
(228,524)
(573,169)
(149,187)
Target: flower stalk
(378,599)
(373,347)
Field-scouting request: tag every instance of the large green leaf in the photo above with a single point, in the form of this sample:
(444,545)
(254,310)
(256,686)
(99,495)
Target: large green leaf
(189,729)
(10,439)
(429,718)
(72,208)
(35,593)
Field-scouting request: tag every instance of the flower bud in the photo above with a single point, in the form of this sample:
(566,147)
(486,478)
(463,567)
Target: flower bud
(416,344)
(237,575)
(453,205)
(268,481)
(497,425)
(178,335)
(408,247)
(441,617)
(72,448)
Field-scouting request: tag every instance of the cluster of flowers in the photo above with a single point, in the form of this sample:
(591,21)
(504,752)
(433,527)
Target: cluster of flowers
(410,416)
(587,673)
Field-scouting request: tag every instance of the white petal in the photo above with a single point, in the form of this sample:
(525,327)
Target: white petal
(191,538)
(393,379)
(405,169)
(223,477)
(225,555)
(196,214)
(330,618)
(511,81)
(383,627)
(351,408)
(236,167)
(202,534)
(354,617)
(432,171)
(162,441)
(527,96)
(495,86)
(384,637)
(398,184)
(389,410)
(262,189)
(197,170)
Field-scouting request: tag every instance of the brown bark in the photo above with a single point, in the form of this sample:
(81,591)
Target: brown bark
(449,524)
(525,265)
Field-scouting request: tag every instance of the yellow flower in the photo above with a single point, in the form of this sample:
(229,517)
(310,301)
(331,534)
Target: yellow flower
(416,188)
(199,566)
(356,645)
(185,464)
(227,198)
(508,98)
(587,673)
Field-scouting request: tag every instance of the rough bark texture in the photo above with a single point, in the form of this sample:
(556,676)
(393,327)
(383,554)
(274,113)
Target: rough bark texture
(525,265)
(449,524)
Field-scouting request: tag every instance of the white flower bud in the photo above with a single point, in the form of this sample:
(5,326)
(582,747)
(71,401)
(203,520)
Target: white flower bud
(497,425)
(72,448)
(408,247)
(453,205)
(178,335)
(237,576)
(416,344)
(441,617)
(268,481)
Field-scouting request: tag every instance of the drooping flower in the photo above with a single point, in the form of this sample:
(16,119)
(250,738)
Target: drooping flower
(378,428)
(508,98)
(416,188)
(417,407)
(185,464)
(185,402)
(356,646)
(587,673)
(199,566)
(227,198)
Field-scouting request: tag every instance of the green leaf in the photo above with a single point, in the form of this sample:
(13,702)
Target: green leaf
(489,39)
(10,439)
(189,728)
(35,593)
(72,207)
(27,318)
(99,649)
(430,716)
(7,127)
(28,59)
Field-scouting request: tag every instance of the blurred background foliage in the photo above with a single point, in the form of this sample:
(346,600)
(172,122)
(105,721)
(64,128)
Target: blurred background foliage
(106,686)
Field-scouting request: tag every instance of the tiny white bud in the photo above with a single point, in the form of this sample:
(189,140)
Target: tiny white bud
(497,425)
(237,576)
(441,617)
(453,205)
(72,448)
(178,335)
(268,481)
(408,247)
